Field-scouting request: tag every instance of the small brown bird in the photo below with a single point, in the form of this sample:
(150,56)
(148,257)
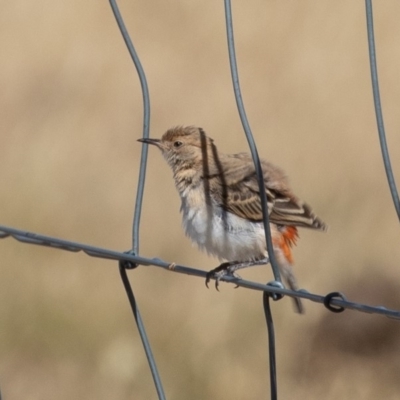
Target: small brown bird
(221,204)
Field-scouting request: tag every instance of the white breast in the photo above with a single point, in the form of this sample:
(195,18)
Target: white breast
(221,233)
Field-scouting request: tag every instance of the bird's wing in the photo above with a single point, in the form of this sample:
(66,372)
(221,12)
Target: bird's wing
(236,189)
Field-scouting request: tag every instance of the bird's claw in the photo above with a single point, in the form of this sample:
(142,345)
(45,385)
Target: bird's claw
(219,273)
(209,276)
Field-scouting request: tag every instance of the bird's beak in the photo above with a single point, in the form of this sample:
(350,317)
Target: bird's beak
(150,141)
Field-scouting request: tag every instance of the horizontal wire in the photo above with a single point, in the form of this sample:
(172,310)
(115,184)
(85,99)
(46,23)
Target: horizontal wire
(338,301)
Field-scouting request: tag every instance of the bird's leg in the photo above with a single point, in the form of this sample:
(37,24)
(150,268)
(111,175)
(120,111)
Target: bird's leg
(230,268)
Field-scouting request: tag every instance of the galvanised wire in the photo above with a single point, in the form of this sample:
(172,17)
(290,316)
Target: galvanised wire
(338,300)
(271,344)
(335,302)
(146,124)
(138,202)
(249,136)
(146,344)
(263,194)
(378,107)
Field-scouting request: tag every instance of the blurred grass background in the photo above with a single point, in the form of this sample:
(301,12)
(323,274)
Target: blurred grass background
(71,111)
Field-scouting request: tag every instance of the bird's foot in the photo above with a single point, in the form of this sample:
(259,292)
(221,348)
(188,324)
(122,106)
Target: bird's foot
(225,269)
(229,268)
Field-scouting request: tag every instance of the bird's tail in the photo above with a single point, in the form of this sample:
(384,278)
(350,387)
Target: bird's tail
(290,279)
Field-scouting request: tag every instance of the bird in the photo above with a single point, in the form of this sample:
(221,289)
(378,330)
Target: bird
(221,205)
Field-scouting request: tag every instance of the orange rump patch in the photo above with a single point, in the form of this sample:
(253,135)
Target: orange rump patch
(288,239)
(290,235)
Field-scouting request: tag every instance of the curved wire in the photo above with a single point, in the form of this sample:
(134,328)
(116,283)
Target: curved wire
(378,108)
(146,124)
(139,201)
(250,139)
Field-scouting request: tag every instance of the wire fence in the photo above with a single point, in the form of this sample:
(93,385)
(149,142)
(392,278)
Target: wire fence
(335,301)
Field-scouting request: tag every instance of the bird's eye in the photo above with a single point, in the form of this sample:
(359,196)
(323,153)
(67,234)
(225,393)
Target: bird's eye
(177,144)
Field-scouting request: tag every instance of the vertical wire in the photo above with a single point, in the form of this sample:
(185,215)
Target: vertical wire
(378,107)
(142,332)
(146,125)
(250,139)
(139,200)
(271,345)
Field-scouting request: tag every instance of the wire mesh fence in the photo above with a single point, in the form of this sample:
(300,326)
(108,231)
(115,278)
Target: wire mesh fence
(335,301)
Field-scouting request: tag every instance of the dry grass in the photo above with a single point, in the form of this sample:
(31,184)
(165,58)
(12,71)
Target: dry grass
(71,113)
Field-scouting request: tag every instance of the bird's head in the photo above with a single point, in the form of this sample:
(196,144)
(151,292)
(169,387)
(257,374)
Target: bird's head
(183,147)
